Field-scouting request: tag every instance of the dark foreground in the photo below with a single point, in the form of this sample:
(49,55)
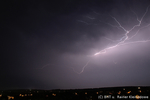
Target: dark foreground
(115,93)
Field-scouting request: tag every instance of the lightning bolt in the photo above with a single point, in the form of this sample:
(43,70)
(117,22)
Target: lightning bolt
(82,68)
(48,65)
(123,40)
(126,37)
(120,42)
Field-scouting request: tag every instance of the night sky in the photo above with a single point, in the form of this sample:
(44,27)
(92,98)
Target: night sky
(45,44)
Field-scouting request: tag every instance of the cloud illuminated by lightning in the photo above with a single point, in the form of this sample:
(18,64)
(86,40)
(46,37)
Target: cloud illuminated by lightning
(124,39)
(120,42)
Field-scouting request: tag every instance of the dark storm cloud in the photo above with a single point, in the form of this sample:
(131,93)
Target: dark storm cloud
(45,43)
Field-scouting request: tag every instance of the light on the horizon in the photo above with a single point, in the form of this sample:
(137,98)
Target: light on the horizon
(22,95)
(119,92)
(139,87)
(128,92)
(76,93)
(54,94)
(10,97)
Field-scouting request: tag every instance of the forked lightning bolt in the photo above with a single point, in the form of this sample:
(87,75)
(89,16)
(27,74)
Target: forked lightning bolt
(125,38)
(120,42)
(82,68)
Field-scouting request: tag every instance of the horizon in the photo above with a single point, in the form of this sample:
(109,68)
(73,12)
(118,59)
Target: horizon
(78,88)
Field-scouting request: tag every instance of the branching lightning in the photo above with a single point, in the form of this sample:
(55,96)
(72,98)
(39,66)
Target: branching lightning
(123,40)
(126,37)
(82,68)
(120,42)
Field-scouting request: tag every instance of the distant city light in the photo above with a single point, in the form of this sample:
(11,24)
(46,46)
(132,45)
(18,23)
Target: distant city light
(20,95)
(88,94)
(10,97)
(30,94)
(119,92)
(76,94)
(128,92)
(139,87)
(54,94)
